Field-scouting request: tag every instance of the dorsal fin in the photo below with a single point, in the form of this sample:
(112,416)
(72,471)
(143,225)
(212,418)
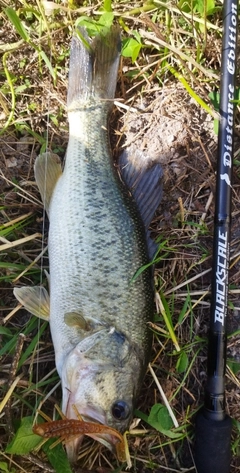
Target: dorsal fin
(144,181)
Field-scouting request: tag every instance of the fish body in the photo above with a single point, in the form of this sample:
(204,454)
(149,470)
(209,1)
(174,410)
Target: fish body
(97,241)
(96,244)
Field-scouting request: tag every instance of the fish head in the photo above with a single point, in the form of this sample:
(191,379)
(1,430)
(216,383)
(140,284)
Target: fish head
(101,388)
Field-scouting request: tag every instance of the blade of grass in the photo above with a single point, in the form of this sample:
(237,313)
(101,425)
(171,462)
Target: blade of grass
(167,319)
(13,98)
(18,25)
(171,413)
(191,92)
(21,241)
(9,392)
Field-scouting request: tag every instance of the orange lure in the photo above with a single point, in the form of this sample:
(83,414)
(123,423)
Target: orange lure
(66,429)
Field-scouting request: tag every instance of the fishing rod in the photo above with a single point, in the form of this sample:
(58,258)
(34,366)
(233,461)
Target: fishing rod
(213,425)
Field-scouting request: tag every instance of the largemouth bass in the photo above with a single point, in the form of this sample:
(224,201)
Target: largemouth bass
(97,241)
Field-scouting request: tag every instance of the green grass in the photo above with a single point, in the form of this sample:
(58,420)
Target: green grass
(166,46)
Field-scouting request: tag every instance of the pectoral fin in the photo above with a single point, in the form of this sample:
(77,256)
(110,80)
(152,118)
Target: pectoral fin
(35,300)
(47,170)
(75,319)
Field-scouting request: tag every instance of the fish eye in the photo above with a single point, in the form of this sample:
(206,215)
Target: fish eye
(120,410)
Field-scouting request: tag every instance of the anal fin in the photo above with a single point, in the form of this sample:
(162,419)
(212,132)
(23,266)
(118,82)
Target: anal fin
(47,170)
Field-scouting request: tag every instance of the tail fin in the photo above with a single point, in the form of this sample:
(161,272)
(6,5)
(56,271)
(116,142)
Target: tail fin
(93,67)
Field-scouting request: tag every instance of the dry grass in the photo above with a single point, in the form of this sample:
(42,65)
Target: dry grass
(33,116)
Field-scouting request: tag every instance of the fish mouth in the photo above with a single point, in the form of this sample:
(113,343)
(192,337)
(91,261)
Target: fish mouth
(73,446)
(105,435)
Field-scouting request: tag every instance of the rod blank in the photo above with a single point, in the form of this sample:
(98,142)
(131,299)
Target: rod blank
(213,426)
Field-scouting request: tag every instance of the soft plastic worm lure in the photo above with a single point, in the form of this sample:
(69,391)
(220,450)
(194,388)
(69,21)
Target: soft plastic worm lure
(67,429)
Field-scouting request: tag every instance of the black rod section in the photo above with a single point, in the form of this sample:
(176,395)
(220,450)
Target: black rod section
(213,426)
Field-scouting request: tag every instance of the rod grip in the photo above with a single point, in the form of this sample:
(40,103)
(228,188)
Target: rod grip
(213,444)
